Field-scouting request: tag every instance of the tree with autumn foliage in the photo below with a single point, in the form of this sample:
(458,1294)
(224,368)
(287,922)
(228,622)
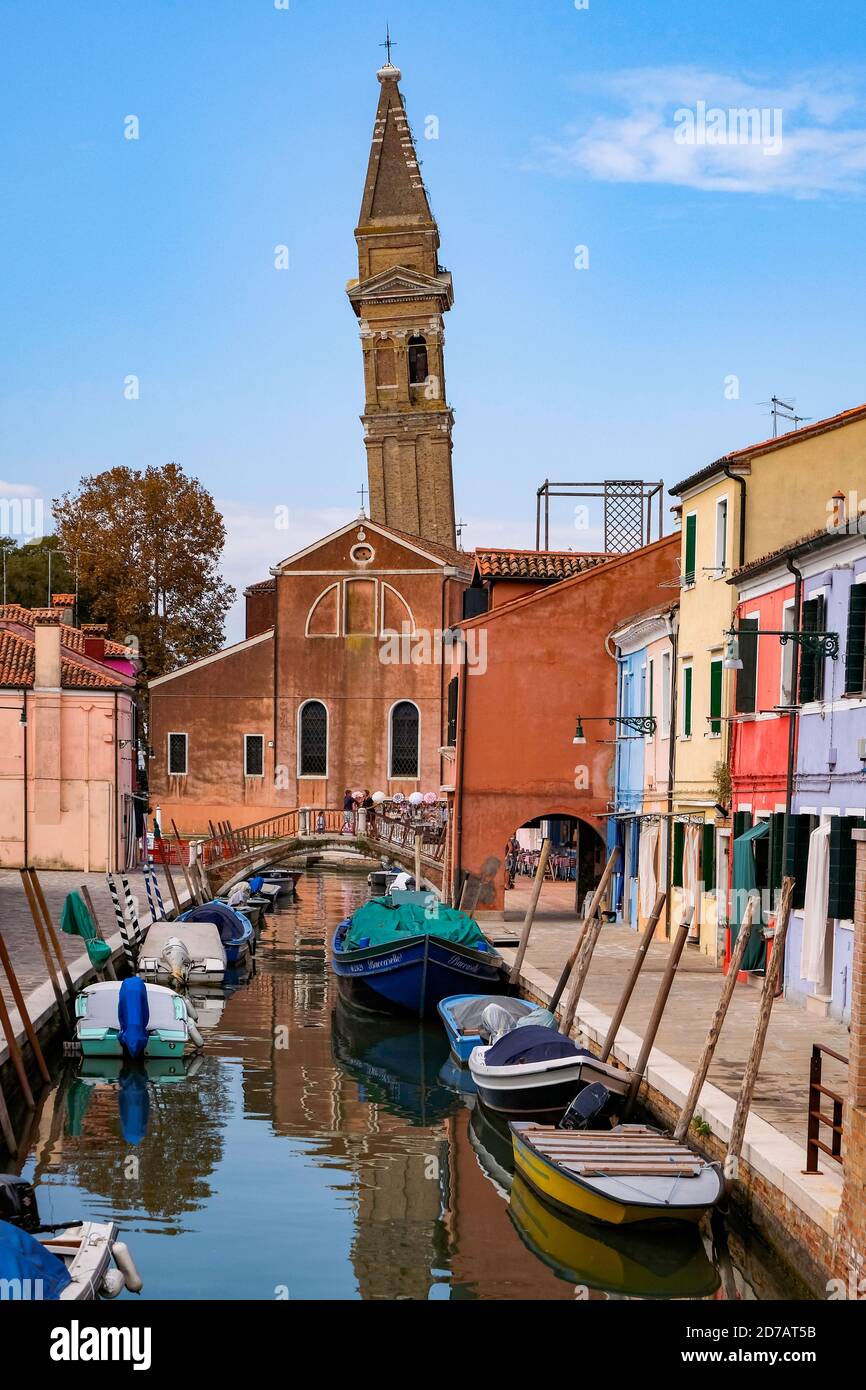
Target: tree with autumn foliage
(148,546)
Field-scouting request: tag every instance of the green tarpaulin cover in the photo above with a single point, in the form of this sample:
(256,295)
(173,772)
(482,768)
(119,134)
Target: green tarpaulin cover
(379,922)
(745,884)
(77,921)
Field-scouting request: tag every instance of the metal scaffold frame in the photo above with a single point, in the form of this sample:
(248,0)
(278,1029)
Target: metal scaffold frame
(629,506)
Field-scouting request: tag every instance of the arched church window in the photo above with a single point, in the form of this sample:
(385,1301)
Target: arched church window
(313,740)
(405,728)
(417,361)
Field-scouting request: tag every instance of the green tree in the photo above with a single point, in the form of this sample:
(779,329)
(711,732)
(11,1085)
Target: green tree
(27,572)
(148,546)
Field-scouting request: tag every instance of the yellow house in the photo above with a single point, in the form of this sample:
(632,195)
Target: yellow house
(744,505)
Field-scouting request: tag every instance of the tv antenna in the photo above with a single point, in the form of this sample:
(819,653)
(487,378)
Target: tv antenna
(783,410)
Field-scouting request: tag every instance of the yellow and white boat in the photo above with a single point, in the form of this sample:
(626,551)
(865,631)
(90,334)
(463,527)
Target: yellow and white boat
(631,1173)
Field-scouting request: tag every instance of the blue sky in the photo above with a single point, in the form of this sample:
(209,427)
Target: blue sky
(556,130)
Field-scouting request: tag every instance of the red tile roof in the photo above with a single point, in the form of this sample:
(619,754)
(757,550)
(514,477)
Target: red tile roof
(264,586)
(18,663)
(535,564)
(71,637)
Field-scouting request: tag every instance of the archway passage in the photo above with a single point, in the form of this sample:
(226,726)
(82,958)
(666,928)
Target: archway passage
(574,867)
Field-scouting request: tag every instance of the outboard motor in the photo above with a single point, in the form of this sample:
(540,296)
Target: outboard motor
(18,1203)
(586,1107)
(177,960)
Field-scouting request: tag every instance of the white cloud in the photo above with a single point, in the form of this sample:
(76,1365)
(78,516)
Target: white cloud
(632,137)
(18,490)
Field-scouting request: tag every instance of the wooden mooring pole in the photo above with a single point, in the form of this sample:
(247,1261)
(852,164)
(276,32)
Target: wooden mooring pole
(49,927)
(6,1126)
(21,1006)
(594,909)
(637,964)
(540,871)
(655,1019)
(750,1075)
(715,1029)
(44,947)
(15,1054)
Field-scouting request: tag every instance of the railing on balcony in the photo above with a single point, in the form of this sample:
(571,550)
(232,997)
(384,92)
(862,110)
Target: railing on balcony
(817,1118)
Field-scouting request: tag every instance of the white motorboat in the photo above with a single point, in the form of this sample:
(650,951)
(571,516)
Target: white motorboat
(536,1073)
(182,953)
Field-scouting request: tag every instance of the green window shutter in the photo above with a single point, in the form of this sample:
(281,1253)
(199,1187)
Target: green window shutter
(842,866)
(742,823)
(747,633)
(812,664)
(687,701)
(679,845)
(708,857)
(777,839)
(797,858)
(715,696)
(855,649)
(691,548)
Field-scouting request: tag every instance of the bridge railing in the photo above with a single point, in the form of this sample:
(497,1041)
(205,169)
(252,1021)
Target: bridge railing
(229,842)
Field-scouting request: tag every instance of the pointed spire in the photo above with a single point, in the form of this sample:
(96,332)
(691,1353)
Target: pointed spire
(394,188)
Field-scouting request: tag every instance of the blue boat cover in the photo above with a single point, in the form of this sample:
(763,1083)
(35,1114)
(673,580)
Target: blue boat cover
(133,1015)
(232,926)
(22,1258)
(256,883)
(532,1044)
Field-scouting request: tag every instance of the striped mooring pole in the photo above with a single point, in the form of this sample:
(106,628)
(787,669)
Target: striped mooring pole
(128,951)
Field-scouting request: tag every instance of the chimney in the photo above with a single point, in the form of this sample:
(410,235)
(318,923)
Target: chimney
(46,636)
(94,640)
(839,517)
(64,605)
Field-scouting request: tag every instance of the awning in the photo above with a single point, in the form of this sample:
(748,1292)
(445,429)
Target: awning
(744,885)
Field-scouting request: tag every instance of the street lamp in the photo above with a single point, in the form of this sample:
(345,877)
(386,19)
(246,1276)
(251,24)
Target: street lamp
(640,724)
(819,643)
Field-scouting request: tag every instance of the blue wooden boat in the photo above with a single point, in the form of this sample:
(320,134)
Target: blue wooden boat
(236,931)
(462,1015)
(414,970)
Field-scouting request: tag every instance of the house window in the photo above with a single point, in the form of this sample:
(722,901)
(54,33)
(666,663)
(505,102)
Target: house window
(177,755)
(716,696)
(747,678)
(812,663)
(687,702)
(405,725)
(666,694)
(417,361)
(451,734)
(855,650)
(721,535)
(313,740)
(691,548)
(786,692)
(254,755)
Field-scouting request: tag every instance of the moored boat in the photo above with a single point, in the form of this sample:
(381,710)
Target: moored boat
(535,1073)
(399,955)
(280,882)
(183,953)
(466,1025)
(130,1018)
(236,931)
(81,1261)
(624,1175)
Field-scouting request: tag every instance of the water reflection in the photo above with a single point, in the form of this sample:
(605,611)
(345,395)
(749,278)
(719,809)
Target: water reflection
(312,1150)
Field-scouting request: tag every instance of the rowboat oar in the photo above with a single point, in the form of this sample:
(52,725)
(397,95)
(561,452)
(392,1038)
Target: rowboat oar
(128,951)
(715,1029)
(652,1028)
(750,1075)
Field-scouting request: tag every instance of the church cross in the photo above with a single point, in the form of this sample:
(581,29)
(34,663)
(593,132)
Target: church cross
(388,43)
(362,493)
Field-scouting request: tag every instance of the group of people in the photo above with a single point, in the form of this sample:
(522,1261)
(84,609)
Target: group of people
(352,804)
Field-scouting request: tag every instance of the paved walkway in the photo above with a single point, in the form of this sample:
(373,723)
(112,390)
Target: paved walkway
(19,933)
(782,1089)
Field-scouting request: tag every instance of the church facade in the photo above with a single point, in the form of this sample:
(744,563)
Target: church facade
(340,681)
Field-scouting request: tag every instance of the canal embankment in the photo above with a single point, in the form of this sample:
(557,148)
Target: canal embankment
(797,1212)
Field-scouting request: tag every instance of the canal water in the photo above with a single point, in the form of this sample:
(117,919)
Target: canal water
(308,1155)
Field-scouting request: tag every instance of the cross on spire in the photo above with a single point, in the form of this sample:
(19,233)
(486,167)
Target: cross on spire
(362,493)
(388,44)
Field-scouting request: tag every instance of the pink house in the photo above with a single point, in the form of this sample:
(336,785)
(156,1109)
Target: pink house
(68,739)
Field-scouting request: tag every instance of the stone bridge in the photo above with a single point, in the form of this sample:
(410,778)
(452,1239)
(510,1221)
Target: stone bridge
(231,853)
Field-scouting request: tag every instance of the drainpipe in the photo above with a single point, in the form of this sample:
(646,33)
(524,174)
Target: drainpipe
(738,478)
(24,733)
(674,636)
(116,791)
(462,673)
(793,722)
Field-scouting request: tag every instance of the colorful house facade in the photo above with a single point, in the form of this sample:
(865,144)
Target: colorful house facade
(829,768)
(744,505)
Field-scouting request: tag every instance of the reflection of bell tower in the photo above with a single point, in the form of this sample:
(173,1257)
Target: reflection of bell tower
(400,297)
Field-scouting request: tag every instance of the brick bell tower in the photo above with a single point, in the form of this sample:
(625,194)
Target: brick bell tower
(400,297)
